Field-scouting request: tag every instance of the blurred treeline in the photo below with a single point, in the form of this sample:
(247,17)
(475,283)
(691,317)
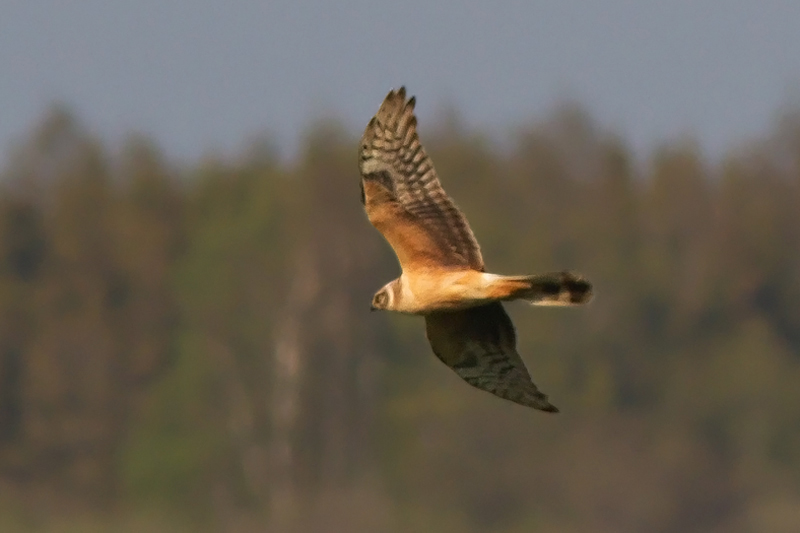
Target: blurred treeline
(188,346)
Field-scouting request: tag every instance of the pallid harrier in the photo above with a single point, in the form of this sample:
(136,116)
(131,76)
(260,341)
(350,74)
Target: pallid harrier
(443,277)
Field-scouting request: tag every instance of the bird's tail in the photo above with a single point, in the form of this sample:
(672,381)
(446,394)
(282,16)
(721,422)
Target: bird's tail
(558,288)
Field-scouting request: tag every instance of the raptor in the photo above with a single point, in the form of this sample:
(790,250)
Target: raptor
(443,275)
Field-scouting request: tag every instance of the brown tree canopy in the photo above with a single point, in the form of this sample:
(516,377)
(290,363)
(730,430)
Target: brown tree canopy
(189,345)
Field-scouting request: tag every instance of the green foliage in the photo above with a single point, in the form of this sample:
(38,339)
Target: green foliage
(170,454)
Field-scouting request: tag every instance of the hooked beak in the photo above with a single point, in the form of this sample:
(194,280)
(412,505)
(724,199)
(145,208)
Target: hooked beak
(372,308)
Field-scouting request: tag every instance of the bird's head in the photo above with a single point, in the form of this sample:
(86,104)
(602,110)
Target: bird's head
(383,299)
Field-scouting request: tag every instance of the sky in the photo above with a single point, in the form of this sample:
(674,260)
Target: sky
(201,75)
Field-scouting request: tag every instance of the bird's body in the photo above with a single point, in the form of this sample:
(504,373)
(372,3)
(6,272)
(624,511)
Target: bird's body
(443,276)
(428,290)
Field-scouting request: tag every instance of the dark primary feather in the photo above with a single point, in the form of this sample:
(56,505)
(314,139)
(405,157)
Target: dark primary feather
(480,345)
(391,152)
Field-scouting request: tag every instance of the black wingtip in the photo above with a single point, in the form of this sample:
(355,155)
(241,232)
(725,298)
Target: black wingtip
(549,408)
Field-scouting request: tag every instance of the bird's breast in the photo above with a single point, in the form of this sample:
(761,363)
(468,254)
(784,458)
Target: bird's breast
(442,290)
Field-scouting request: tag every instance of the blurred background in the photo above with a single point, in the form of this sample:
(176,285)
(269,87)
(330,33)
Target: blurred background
(186,269)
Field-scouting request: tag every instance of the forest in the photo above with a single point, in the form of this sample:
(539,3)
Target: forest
(187,345)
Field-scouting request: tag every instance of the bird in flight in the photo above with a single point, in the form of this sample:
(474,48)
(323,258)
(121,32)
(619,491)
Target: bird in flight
(443,276)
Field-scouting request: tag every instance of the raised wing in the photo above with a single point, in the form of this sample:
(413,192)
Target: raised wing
(396,170)
(480,345)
